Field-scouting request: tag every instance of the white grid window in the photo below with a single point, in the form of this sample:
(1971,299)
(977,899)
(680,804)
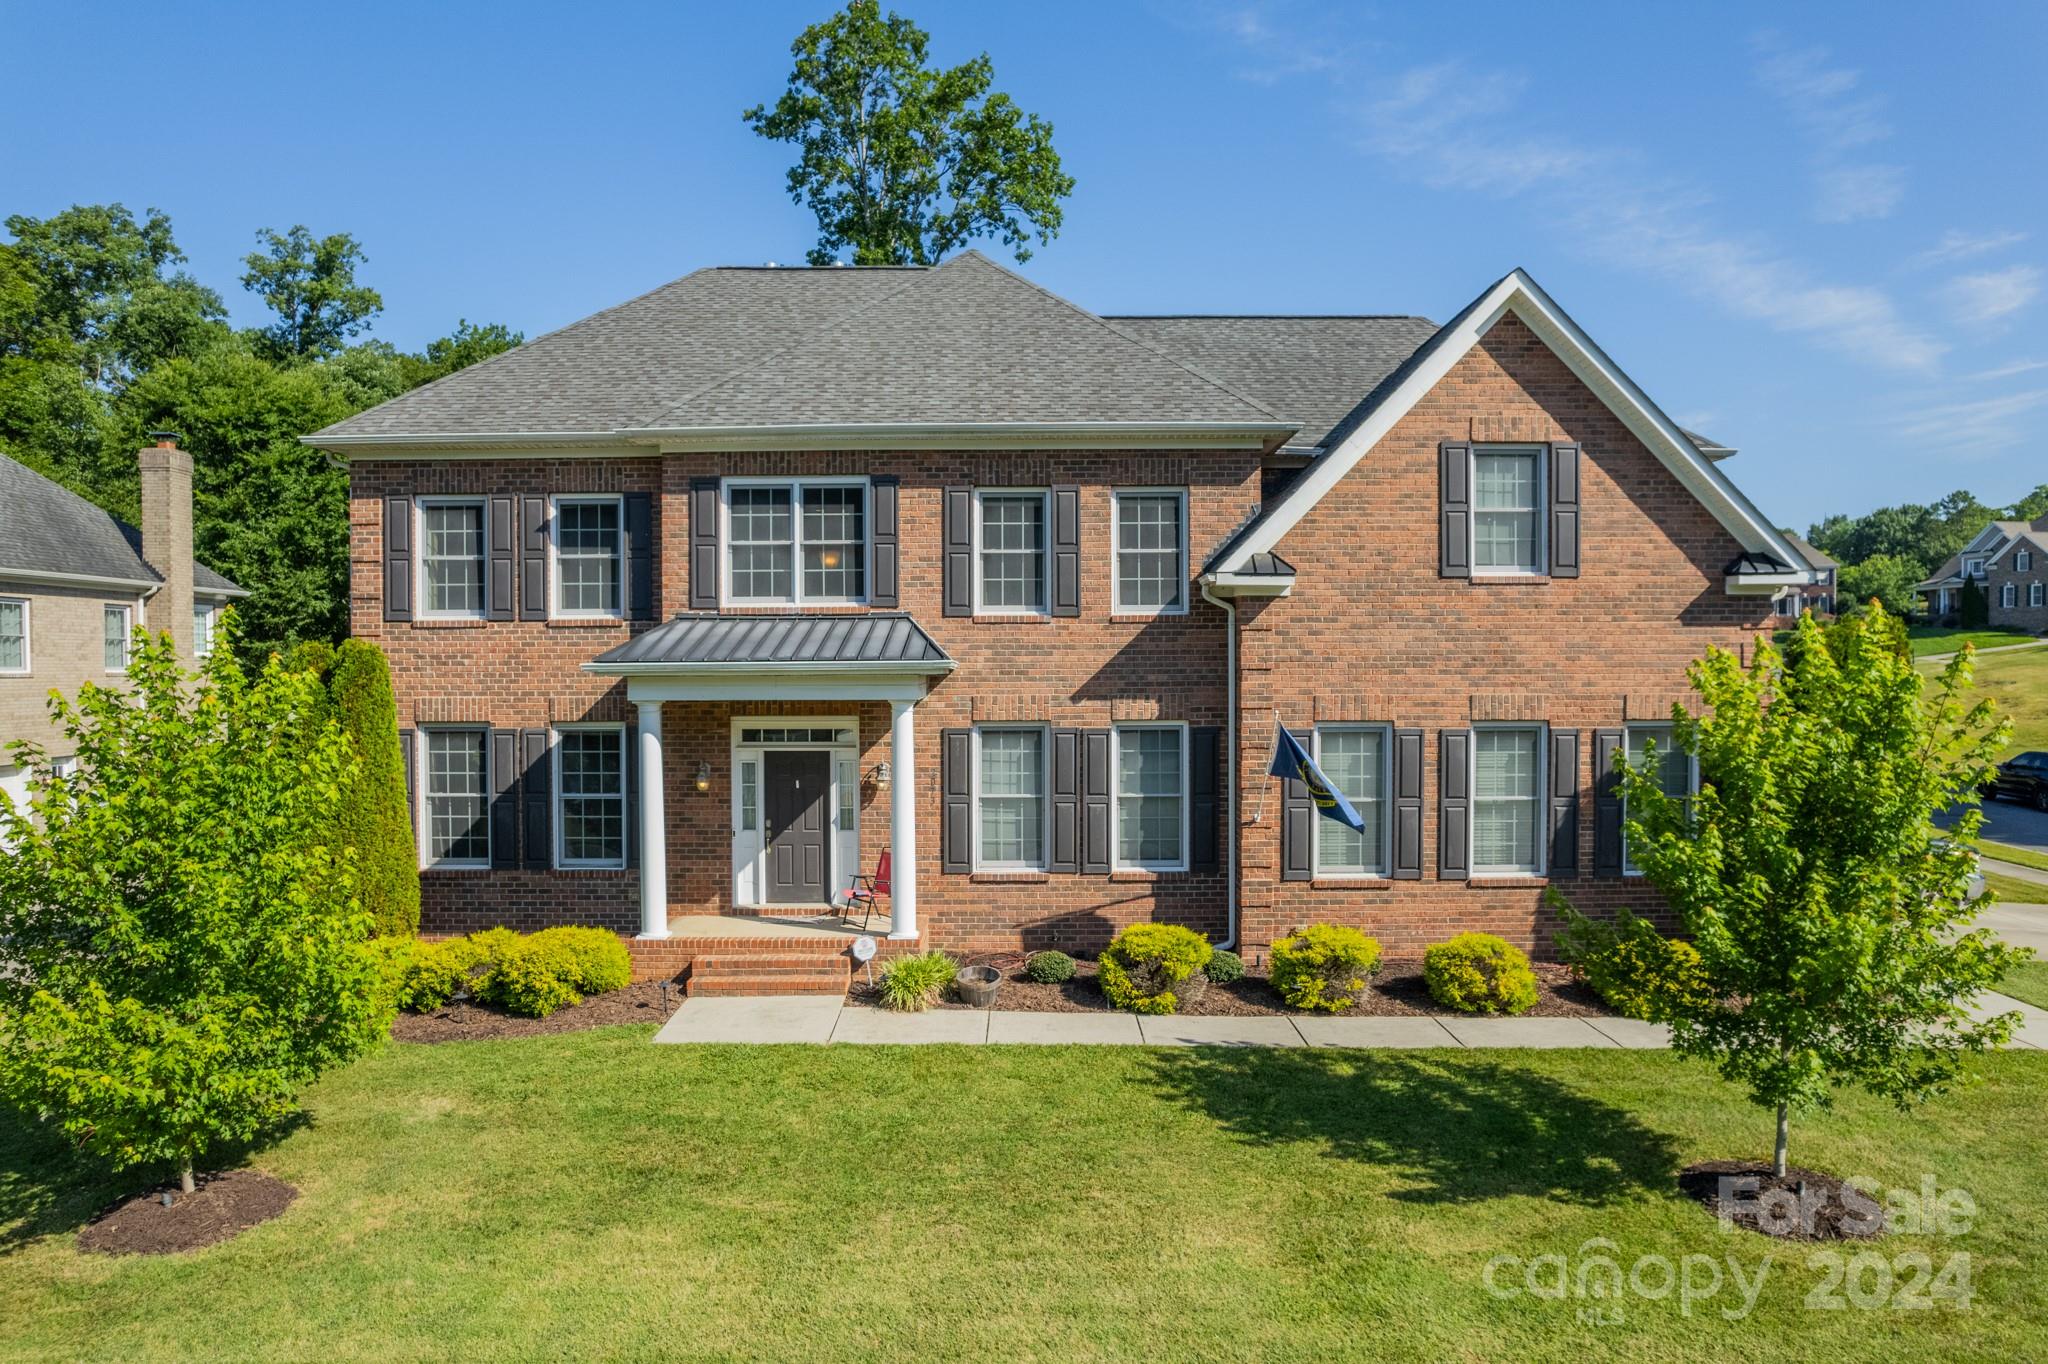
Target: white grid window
(115,626)
(589,556)
(1151,552)
(796,542)
(2034,593)
(202,629)
(1151,796)
(13,635)
(1504,511)
(1012,556)
(1506,776)
(835,544)
(1354,759)
(2008,595)
(1011,821)
(1675,776)
(591,804)
(458,823)
(452,558)
(2023,560)
(761,551)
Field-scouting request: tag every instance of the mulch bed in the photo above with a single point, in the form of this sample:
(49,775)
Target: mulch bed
(225,1205)
(1813,1207)
(1397,990)
(466,1022)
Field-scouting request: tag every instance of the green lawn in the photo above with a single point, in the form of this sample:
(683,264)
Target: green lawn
(2027,981)
(589,1196)
(2018,683)
(1933,639)
(2010,890)
(2025,857)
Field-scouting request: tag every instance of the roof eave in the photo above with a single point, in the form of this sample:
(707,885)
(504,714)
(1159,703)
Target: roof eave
(40,575)
(729,667)
(966,435)
(496,443)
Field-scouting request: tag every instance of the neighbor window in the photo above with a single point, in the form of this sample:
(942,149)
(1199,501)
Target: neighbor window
(590,807)
(13,635)
(457,820)
(1674,771)
(797,542)
(1151,552)
(1788,605)
(2033,594)
(1011,555)
(1010,827)
(1354,759)
(1506,785)
(115,626)
(452,558)
(1151,782)
(2023,560)
(589,556)
(1505,513)
(202,628)
(2009,595)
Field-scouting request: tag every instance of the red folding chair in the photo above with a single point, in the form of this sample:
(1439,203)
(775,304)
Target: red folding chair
(866,889)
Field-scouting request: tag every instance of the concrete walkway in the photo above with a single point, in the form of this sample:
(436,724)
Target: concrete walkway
(1994,649)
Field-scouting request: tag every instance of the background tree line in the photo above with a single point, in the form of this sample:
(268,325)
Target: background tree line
(105,337)
(1885,552)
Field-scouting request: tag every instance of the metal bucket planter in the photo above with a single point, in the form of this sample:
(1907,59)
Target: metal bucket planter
(977,985)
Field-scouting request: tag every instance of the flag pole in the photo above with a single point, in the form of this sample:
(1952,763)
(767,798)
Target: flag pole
(1260,813)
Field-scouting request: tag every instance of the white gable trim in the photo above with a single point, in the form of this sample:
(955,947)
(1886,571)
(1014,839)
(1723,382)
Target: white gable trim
(1520,295)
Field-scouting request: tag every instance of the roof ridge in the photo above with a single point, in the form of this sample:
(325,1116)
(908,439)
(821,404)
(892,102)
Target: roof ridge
(1267,317)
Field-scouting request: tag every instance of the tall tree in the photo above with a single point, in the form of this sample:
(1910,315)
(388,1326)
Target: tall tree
(310,283)
(901,162)
(465,346)
(1885,577)
(2033,506)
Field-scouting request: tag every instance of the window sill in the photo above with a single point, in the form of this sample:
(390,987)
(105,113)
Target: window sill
(1020,877)
(585,622)
(1141,875)
(460,870)
(1352,883)
(1010,618)
(598,873)
(1509,579)
(1508,880)
(449,623)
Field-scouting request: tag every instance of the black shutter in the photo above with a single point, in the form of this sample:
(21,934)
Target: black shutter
(502,543)
(1297,831)
(1407,853)
(505,797)
(630,766)
(639,556)
(412,800)
(1204,757)
(533,558)
(1454,805)
(537,801)
(882,498)
(959,552)
(1564,511)
(1606,803)
(1066,551)
(956,799)
(1066,801)
(1096,849)
(1564,802)
(398,558)
(1455,512)
(703,544)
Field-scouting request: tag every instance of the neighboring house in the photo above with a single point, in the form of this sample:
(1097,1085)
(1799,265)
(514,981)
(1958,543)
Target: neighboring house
(2005,560)
(1817,596)
(75,582)
(699,605)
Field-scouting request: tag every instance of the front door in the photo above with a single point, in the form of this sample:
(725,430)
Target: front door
(795,807)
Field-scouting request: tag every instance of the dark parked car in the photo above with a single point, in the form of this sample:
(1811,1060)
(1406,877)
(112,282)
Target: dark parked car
(2024,778)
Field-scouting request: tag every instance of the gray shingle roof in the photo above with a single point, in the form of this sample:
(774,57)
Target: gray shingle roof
(47,528)
(879,640)
(1814,557)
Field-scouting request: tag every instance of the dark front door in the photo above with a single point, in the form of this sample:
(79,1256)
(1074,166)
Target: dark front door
(795,791)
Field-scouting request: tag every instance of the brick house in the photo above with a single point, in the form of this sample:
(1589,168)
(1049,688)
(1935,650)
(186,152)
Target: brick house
(1817,596)
(2005,561)
(698,606)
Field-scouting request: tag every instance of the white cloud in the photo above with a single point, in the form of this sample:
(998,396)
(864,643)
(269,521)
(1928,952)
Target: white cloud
(1973,430)
(1277,53)
(1836,121)
(1992,296)
(1956,245)
(1427,119)
(2008,371)
(1845,194)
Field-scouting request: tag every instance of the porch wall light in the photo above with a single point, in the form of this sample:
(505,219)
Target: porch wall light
(881,774)
(703,777)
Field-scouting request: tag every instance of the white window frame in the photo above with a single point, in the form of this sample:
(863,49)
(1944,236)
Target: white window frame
(796,486)
(28,660)
(1044,496)
(421,610)
(1116,796)
(563,862)
(1118,606)
(1663,732)
(555,504)
(1973,568)
(2008,596)
(1386,805)
(2022,560)
(127,610)
(1542,808)
(210,610)
(982,863)
(2034,593)
(1539,459)
(423,780)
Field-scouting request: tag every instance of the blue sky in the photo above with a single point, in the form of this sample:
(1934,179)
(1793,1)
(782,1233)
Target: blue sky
(1813,232)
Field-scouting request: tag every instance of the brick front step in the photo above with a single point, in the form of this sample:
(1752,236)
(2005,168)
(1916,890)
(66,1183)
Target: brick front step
(739,983)
(817,969)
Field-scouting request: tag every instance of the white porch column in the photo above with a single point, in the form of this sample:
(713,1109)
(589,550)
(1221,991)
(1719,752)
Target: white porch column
(652,832)
(902,820)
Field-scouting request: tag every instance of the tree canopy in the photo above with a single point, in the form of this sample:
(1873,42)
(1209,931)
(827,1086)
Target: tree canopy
(310,283)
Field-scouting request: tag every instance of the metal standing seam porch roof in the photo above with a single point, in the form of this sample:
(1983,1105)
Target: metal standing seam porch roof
(880,641)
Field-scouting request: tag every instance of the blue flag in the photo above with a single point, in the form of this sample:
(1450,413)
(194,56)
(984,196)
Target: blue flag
(1291,760)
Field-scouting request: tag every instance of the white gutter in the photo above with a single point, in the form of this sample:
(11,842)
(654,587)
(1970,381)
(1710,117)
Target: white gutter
(1229,942)
(37,575)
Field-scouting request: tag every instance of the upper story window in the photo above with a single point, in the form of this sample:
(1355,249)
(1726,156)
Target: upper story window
(2023,560)
(1506,509)
(796,541)
(1010,791)
(1677,775)
(1973,568)
(1788,605)
(1010,552)
(452,557)
(590,797)
(14,635)
(202,628)
(1507,786)
(1151,568)
(457,826)
(2009,595)
(1151,796)
(590,556)
(1354,758)
(116,623)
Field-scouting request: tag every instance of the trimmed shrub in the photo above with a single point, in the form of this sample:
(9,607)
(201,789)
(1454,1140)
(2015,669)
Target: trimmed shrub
(915,983)
(534,976)
(1224,967)
(601,962)
(1478,973)
(1155,968)
(1049,968)
(1636,971)
(432,973)
(1324,966)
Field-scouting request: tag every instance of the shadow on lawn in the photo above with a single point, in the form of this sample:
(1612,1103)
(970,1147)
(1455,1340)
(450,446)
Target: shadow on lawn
(1461,1130)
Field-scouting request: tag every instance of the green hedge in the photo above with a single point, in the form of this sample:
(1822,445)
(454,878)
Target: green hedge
(1636,971)
(532,975)
(1324,966)
(1154,968)
(1478,973)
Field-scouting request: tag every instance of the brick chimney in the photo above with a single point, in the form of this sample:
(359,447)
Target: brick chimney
(167,536)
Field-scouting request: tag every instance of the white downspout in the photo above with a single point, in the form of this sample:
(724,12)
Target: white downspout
(1229,738)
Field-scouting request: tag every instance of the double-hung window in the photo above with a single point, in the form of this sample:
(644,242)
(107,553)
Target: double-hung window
(2023,560)
(590,797)
(457,824)
(2009,595)
(202,628)
(590,556)
(452,557)
(1507,512)
(1010,552)
(1507,785)
(116,623)
(1354,758)
(796,541)
(1677,775)
(1151,552)
(14,659)
(1151,797)
(1011,785)
(2034,593)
